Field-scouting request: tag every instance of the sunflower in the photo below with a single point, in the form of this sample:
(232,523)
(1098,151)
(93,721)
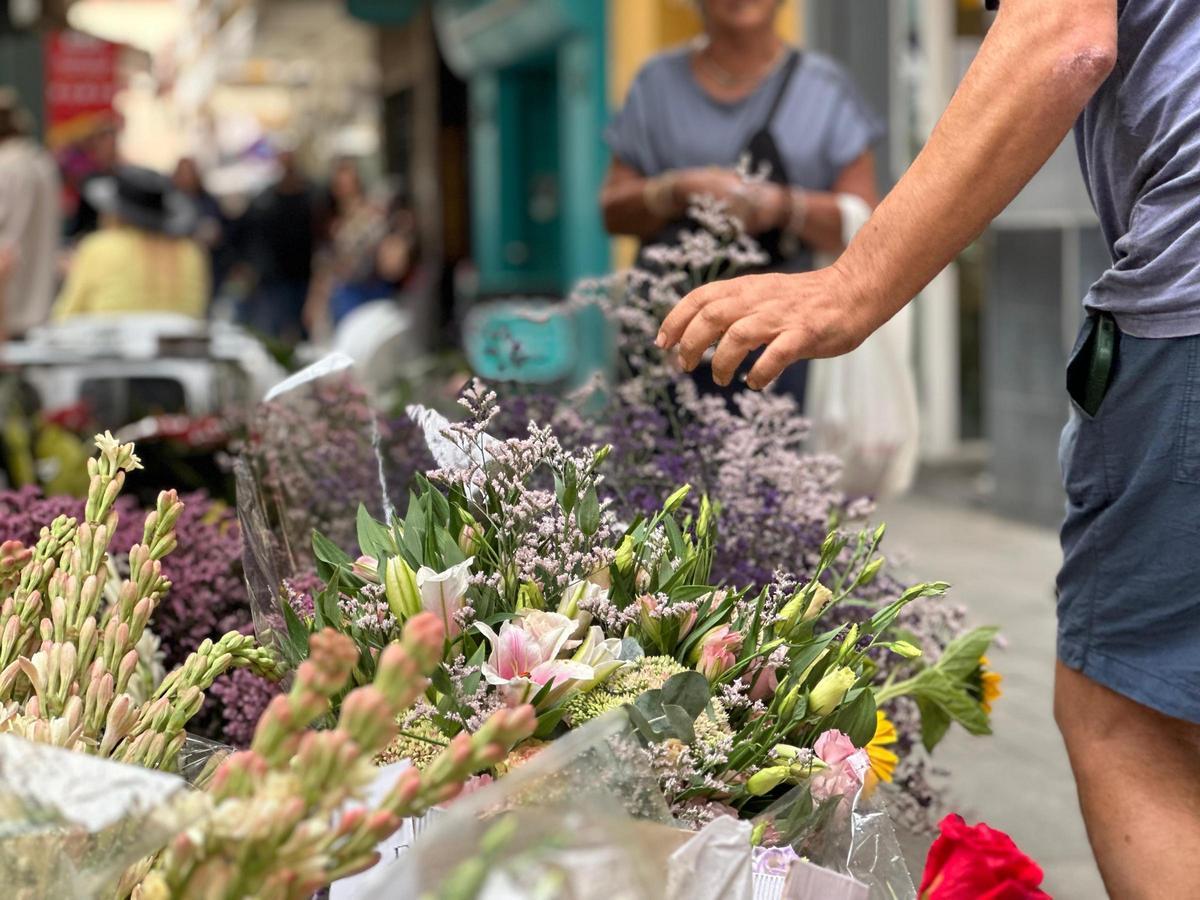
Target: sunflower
(984,685)
(883,760)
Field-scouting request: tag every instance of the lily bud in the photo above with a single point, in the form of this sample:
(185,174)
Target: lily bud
(705,520)
(366,568)
(905,649)
(470,539)
(400,588)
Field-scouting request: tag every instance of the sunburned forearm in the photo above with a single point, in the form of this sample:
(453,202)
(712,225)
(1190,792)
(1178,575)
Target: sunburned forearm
(1036,71)
(624,206)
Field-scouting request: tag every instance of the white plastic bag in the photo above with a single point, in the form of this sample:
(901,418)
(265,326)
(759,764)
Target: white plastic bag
(863,406)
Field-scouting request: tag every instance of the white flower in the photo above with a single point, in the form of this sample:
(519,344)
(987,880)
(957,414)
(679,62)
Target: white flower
(601,654)
(443,593)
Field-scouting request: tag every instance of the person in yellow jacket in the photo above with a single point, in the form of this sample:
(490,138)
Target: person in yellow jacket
(142,260)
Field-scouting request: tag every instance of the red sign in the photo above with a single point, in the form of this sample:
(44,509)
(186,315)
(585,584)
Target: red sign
(81,81)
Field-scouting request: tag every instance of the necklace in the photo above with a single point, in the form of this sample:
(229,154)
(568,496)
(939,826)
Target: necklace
(727,79)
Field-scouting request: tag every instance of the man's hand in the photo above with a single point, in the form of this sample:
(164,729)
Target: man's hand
(795,317)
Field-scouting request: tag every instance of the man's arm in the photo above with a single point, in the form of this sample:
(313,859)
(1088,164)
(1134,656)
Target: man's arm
(1040,64)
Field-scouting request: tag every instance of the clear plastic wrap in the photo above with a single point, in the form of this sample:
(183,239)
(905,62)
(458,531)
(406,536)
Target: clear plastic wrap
(70,824)
(854,837)
(317,449)
(582,819)
(199,759)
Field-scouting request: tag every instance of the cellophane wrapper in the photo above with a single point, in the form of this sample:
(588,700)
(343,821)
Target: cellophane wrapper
(70,823)
(855,836)
(317,450)
(583,819)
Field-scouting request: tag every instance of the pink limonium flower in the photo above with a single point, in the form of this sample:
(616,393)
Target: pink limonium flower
(444,593)
(718,652)
(846,766)
(523,660)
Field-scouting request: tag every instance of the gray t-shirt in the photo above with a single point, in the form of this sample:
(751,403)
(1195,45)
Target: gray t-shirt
(1139,144)
(670,122)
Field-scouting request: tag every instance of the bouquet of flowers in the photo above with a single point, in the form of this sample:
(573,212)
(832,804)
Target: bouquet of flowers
(738,695)
(748,457)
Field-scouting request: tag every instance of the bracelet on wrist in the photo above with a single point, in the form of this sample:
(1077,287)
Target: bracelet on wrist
(658,194)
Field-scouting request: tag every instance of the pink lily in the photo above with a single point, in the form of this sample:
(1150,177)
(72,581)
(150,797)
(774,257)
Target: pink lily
(524,660)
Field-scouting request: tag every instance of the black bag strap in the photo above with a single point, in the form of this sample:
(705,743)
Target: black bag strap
(789,69)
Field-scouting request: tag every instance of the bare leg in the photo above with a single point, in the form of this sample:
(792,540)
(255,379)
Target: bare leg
(1138,773)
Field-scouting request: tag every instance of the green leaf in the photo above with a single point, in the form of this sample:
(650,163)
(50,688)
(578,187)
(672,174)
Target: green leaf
(566,488)
(297,633)
(680,722)
(439,506)
(589,512)
(326,613)
(952,698)
(448,548)
(440,679)
(961,657)
(374,538)
(329,556)
(548,721)
(688,690)
(542,693)
(644,726)
(934,723)
(857,719)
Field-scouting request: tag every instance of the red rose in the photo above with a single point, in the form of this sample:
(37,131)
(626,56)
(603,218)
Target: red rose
(978,863)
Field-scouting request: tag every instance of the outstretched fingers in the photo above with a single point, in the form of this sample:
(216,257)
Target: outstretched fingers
(677,321)
(742,337)
(787,348)
(707,327)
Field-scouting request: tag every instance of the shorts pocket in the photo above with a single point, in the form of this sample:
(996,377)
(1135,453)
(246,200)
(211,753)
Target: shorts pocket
(1080,451)
(1187,450)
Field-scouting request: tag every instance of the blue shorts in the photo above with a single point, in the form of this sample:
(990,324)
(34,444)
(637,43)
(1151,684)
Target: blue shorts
(1129,591)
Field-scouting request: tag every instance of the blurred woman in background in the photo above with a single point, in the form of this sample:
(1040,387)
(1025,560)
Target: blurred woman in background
(370,254)
(739,92)
(140,261)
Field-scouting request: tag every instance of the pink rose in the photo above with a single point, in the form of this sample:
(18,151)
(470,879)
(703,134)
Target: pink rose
(847,766)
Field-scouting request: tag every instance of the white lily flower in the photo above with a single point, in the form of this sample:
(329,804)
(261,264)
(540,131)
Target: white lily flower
(444,593)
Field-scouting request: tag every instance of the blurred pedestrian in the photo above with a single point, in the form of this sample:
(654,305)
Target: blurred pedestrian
(141,260)
(281,227)
(101,157)
(739,92)
(370,252)
(29,222)
(212,229)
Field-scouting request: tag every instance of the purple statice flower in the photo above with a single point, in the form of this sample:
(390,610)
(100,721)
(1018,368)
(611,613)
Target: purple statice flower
(240,697)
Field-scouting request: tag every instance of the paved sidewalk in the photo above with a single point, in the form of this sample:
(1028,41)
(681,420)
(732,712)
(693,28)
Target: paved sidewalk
(1018,780)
